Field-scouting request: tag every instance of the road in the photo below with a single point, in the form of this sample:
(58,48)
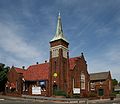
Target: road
(7,101)
(15,100)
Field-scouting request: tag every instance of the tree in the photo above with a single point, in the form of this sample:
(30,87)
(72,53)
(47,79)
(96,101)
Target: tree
(114,82)
(3,76)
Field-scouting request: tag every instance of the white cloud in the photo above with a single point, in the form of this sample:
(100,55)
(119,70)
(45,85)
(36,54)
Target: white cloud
(102,31)
(13,43)
(109,59)
(102,65)
(114,54)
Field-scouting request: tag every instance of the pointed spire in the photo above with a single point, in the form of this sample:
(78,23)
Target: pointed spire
(82,56)
(59,13)
(59,31)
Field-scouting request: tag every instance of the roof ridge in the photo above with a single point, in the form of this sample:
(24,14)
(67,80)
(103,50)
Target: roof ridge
(100,72)
(17,67)
(39,64)
(75,57)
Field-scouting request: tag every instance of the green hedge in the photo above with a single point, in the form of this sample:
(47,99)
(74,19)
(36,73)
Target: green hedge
(59,92)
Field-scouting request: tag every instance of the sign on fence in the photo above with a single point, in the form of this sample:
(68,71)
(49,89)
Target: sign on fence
(76,90)
(36,90)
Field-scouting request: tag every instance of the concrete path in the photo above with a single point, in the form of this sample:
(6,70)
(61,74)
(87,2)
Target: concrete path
(60,100)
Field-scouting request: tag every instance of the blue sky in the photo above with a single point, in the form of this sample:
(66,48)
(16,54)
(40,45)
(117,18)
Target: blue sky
(90,26)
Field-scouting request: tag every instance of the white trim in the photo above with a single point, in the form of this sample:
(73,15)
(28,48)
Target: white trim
(73,83)
(58,47)
(55,51)
(83,81)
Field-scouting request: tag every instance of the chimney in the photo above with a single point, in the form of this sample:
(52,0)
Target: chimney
(12,66)
(23,67)
(45,61)
(37,63)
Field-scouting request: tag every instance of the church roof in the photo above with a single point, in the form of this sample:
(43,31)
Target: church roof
(40,71)
(19,70)
(72,62)
(59,32)
(99,76)
(37,72)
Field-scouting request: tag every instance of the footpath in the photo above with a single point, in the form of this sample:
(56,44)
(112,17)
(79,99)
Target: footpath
(61,100)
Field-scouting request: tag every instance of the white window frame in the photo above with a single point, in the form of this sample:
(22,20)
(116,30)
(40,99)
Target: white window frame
(82,77)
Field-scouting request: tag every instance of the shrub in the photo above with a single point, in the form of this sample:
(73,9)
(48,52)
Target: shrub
(76,96)
(92,94)
(59,92)
(113,94)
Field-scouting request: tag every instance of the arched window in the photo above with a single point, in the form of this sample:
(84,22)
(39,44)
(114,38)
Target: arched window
(92,86)
(82,81)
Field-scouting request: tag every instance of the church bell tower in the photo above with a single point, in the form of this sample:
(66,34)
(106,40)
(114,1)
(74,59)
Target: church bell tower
(59,61)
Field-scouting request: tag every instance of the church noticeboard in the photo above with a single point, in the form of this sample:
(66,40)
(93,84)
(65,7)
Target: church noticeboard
(76,90)
(36,90)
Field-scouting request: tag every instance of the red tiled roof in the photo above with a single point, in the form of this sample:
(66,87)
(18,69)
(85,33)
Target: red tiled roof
(19,70)
(37,72)
(72,62)
(40,71)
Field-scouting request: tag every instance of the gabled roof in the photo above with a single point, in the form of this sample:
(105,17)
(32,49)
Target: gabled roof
(19,70)
(99,76)
(72,62)
(41,71)
(37,72)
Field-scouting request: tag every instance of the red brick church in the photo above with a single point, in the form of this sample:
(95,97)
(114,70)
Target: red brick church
(61,73)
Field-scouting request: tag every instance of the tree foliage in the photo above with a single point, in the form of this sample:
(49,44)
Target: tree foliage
(3,76)
(114,82)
